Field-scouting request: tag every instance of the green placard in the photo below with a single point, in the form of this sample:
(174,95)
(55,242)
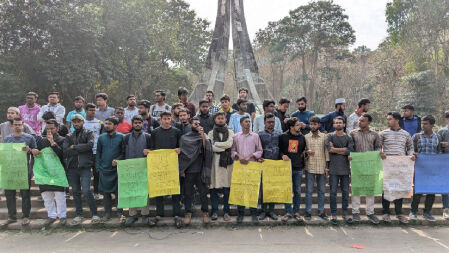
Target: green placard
(132,183)
(13,166)
(366,174)
(48,169)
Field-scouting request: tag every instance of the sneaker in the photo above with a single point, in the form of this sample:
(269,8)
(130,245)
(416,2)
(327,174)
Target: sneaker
(298,217)
(187,219)
(206,218)
(262,216)
(122,219)
(446,213)
(402,219)
(67,195)
(62,221)
(307,216)
(130,220)
(239,218)
(323,216)
(145,220)
(272,216)
(26,221)
(373,218)
(78,219)
(106,217)
(286,217)
(8,221)
(95,219)
(348,220)
(334,220)
(48,222)
(178,222)
(356,217)
(413,216)
(386,218)
(254,218)
(214,216)
(226,217)
(428,217)
(98,196)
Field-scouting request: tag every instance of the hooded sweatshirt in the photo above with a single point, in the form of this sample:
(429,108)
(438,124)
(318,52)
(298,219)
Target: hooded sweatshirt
(293,146)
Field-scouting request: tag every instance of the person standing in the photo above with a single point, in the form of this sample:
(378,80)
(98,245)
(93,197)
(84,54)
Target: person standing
(79,161)
(395,142)
(183,125)
(353,120)
(444,133)
(205,117)
(246,147)
(182,95)
(292,145)
(131,108)
(160,106)
(251,108)
(175,113)
(6,128)
(340,145)
(303,115)
(281,112)
(123,127)
(109,150)
(213,108)
(103,110)
(137,145)
(365,140)
(269,139)
(222,138)
(317,165)
(19,136)
(259,121)
(234,121)
(225,101)
(63,129)
(429,143)
(149,124)
(327,121)
(29,112)
(54,106)
(409,121)
(79,109)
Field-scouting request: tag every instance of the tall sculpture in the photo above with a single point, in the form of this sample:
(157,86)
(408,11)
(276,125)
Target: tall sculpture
(246,73)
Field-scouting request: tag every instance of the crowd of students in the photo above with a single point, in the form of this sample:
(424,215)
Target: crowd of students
(93,137)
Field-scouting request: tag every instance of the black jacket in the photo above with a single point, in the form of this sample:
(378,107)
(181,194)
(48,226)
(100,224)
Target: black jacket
(81,155)
(44,143)
(293,146)
(206,121)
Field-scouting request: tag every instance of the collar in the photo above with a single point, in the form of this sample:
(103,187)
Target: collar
(230,110)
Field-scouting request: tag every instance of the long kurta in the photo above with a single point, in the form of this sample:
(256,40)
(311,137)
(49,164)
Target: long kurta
(109,148)
(220,176)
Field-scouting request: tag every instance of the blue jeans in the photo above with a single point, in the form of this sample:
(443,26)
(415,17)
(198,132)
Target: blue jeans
(79,179)
(445,198)
(296,180)
(214,200)
(343,180)
(320,180)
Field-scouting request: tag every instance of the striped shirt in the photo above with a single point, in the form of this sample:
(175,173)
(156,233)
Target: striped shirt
(364,142)
(396,142)
(316,164)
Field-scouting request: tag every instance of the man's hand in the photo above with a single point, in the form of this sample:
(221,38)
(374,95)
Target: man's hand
(383,156)
(260,160)
(242,159)
(326,172)
(50,139)
(350,158)
(445,144)
(285,158)
(183,174)
(35,152)
(146,152)
(26,149)
(178,151)
(114,163)
(302,125)
(413,157)
(310,152)
(285,120)
(72,147)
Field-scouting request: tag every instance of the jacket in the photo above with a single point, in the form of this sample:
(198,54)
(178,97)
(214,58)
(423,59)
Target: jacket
(293,146)
(81,155)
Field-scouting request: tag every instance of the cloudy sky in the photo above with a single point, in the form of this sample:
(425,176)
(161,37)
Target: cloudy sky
(367,17)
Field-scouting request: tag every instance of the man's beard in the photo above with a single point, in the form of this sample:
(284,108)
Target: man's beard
(340,111)
(11,121)
(109,131)
(194,129)
(220,125)
(339,129)
(138,130)
(314,130)
(302,109)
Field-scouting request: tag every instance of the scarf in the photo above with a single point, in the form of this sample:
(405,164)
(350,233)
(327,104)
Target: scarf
(225,157)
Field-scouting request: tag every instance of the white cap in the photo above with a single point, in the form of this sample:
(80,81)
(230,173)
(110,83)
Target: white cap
(340,101)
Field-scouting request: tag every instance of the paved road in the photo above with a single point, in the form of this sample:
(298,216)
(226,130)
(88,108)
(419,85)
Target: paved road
(249,239)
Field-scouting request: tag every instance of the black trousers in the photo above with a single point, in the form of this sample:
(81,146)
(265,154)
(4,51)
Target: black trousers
(11,203)
(386,206)
(160,206)
(430,198)
(191,180)
(108,202)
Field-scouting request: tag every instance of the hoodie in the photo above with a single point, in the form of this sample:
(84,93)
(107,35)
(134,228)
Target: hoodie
(293,146)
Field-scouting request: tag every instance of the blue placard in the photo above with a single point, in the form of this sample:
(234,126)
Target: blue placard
(432,174)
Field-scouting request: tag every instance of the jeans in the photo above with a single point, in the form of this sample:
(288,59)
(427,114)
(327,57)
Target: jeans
(96,178)
(445,198)
(107,201)
(386,206)
(241,210)
(160,206)
(343,180)
(430,198)
(190,180)
(320,180)
(296,180)
(11,203)
(79,179)
(214,200)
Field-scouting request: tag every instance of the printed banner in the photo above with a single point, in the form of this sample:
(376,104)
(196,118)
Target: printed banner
(163,173)
(245,184)
(277,181)
(366,173)
(432,174)
(13,166)
(398,177)
(48,169)
(132,183)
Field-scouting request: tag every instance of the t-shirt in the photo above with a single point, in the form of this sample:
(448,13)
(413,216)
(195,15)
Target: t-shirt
(249,109)
(124,127)
(28,139)
(129,114)
(339,164)
(103,115)
(96,126)
(71,114)
(156,110)
(165,138)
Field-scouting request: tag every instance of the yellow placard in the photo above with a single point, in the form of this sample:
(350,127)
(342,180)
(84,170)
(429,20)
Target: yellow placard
(277,181)
(163,173)
(245,184)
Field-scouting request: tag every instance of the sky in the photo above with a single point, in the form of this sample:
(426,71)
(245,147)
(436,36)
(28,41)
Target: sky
(367,17)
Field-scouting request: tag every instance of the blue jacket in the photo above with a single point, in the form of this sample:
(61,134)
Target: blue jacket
(304,117)
(327,121)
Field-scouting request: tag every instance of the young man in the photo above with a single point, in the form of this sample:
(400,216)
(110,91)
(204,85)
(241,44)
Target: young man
(29,112)
(131,108)
(281,112)
(210,97)
(409,121)
(6,128)
(222,138)
(226,107)
(160,106)
(205,117)
(327,121)
(175,112)
(63,129)
(429,143)
(109,150)
(136,145)
(444,133)
(246,147)
(395,141)
(353,120)
(97,127)
(365,140)
(259,121)
(234,121)
(103,110)
(54,106)
(195,161)
(149,124)
(250,109)
(78,154)
(303,114)
(53,194)
(19,136)
(292,144)
(340,145)
(183,125)
(79,109)
(166,137)
(317,164)
(123,127)
(270,145)
(182,95)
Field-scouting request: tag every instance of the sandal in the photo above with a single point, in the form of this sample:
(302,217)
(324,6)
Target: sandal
(286,217)
(178,222)
(153,221)
(298,217)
